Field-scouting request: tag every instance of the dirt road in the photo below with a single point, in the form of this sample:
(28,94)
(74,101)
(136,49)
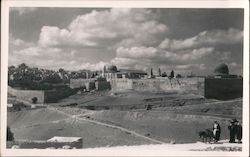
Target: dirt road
(80,118)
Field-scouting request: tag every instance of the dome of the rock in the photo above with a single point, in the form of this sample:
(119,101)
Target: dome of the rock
(111,68)
(222,69)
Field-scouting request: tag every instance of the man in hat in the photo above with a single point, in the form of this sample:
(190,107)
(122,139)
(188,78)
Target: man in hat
(216,131)
(232,129)
(238,132)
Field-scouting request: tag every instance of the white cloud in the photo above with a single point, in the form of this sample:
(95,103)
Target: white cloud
(196,54)
(91,66)
(233,64)
(128,38)
(224,56)
(137,52)
(124,26)
(15,42)
(205,38)
(147,57)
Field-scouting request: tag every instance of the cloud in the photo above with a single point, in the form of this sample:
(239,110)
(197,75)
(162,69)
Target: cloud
(128,38)
(224,56)
(196,54)
(136,52)
(23,10)
(143,53)
(15,42)
(48,57)
(205,38)
(101,28)
(148,57)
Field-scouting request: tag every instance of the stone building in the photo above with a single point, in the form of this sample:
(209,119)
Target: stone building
(222,71)
(111,72)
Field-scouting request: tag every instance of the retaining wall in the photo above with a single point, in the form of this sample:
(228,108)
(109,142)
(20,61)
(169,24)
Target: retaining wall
(193,85)
(121,84)
(223,88)
(102,85)
(77,83)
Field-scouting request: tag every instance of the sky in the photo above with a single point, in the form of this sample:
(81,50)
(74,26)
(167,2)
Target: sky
(185,40)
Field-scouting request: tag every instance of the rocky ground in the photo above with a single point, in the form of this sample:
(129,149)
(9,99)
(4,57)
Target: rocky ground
(171,118)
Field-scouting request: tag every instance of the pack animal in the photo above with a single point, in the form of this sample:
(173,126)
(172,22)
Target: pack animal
(206,135)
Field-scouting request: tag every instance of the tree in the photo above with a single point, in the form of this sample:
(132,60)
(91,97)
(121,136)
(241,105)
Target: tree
(164,74)
(22,66)
(61,70)
(151,72)
(34,100)
(178,76)
(159,71)
(172,74)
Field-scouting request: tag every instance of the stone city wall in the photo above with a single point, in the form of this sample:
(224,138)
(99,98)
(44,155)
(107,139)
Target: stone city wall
(121,84)
(223,88)
(86,83)
(193,85)
(27,95)
(102,85)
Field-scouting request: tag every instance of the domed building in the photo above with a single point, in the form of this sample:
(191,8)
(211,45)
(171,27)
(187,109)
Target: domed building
(111,72)
(110,69)
(222,69)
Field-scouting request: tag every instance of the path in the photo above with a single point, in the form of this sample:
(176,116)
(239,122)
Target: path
(77,117)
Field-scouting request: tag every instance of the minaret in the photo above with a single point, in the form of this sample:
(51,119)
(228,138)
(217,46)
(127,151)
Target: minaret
(104,71)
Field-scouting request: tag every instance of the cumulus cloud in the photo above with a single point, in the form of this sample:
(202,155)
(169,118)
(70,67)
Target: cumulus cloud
(137,52)
(143,53)
(52,57)
(23,10)
(205,38)
(125,26)
(15,42)
(146,57)
(128,38)
(196,54)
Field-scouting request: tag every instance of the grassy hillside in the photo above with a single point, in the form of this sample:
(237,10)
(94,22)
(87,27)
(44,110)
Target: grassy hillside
(164,126)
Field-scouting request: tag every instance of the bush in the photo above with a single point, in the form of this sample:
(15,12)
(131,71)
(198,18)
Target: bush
(34,100)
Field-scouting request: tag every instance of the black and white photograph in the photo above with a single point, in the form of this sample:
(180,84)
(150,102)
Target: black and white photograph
(117,78)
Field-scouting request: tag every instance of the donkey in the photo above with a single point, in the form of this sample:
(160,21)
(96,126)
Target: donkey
(206,135)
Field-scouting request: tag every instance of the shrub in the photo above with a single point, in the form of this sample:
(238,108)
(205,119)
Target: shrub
(34,100)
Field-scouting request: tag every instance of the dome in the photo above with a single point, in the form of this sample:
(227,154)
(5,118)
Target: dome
(111,68)
(222,69)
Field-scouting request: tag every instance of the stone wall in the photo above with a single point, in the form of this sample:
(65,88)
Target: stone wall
(121,84)
(155,85)
(193,85)
(77,83)
(27,95)
(102,85)
(223,88)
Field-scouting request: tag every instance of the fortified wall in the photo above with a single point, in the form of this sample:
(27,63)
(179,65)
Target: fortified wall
(43,96)
(212,88)
(193,85)
(89,84)
(223,88)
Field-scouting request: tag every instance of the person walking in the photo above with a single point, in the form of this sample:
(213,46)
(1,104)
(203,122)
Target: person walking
(239,132)
(216,131)
(232,129)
